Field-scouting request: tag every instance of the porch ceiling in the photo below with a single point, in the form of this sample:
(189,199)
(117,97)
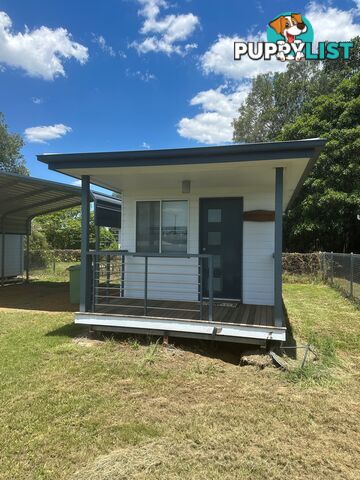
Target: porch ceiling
(240,166)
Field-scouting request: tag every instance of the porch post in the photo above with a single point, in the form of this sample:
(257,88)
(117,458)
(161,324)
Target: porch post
(85,259)
(278,307)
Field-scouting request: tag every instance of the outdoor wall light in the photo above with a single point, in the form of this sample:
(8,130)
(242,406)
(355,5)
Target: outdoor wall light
(186,185)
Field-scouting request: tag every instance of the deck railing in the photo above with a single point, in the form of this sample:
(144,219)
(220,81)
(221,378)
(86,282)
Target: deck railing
(136,283)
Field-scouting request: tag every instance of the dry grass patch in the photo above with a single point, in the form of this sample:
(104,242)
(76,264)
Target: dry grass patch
(108,410)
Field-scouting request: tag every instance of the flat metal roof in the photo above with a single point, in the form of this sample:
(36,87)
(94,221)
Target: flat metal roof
(107,210)
(182,156)
(23,198)
(74,163)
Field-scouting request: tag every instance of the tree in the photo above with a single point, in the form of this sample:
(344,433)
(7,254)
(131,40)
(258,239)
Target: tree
(324,215)
(11,159)
(278,99)
(274,100)
(63,229)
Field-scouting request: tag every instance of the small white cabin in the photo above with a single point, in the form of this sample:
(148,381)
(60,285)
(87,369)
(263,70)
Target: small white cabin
(201,238)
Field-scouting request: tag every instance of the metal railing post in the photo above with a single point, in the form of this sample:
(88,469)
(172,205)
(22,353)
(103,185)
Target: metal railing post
(93,297)
(332,268)
(122,278)
(211,287)
(351,274)
(146,285)
(107,274)
(201,273)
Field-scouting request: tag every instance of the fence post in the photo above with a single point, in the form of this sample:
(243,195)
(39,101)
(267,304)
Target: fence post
(332,268)
(321,262)
(351,274)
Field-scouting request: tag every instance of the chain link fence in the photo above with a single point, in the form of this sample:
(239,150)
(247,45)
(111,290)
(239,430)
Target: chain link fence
(52,265)
(342,270)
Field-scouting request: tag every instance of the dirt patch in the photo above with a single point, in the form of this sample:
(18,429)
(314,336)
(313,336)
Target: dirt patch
(37,296)
(256,359)
(87,341)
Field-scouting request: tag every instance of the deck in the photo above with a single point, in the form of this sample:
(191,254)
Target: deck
(233,322)
(224,312)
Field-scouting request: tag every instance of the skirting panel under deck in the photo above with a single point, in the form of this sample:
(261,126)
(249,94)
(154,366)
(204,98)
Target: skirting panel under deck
(182,327)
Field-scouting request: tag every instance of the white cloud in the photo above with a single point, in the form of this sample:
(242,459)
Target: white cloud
(44,134)
(219,106)
(76,183)
(40,52)
(143,76)
(165,34)
(331,23)
(259,7)
(219,59)
(105,47)
(213,124)
(37,100)
(145,145)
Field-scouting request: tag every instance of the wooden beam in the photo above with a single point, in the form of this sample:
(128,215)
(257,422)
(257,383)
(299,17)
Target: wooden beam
(259,216)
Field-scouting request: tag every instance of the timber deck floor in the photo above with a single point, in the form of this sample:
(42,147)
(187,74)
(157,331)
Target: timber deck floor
(224,312)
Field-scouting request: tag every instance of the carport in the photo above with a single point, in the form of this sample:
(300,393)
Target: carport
(23,198)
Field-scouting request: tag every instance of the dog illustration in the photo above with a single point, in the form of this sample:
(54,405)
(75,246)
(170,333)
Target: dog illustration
(289,26)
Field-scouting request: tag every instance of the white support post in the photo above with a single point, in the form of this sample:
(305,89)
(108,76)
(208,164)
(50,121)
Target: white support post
(278,306)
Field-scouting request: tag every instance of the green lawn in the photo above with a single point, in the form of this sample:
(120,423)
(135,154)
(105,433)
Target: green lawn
(79,409)
(53,272)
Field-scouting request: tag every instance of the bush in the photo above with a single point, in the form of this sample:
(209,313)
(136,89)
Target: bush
(302,264)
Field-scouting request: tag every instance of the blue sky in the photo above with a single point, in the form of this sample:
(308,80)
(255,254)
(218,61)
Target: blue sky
(133,74)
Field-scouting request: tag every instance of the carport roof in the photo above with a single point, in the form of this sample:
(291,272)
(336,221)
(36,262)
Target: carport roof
(23,198)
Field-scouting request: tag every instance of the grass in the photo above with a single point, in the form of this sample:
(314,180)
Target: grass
(54,272)
(74,408)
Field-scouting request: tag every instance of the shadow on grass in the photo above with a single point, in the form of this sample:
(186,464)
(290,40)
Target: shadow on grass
(226,351)
(70,330)
(290,339)
(37,295)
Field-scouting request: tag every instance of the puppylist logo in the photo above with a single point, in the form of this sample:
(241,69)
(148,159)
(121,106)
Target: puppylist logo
(290,36)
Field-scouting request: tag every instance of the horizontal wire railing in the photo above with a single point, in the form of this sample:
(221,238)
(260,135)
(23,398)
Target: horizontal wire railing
(134,283)
(343,271)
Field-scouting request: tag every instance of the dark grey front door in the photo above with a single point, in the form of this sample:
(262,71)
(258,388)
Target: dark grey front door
(221,236)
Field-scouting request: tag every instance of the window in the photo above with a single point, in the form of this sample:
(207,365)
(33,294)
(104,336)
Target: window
(147,227)
(171,237)
(174,227)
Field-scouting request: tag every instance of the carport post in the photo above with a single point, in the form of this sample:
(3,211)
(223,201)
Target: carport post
(27,257)
(85,272)
(278,307)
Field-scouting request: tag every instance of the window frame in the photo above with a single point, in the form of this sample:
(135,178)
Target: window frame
(160,201)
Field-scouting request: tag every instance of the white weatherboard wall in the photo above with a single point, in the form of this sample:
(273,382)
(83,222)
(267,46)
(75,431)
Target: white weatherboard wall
(258,246)
(14,255)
